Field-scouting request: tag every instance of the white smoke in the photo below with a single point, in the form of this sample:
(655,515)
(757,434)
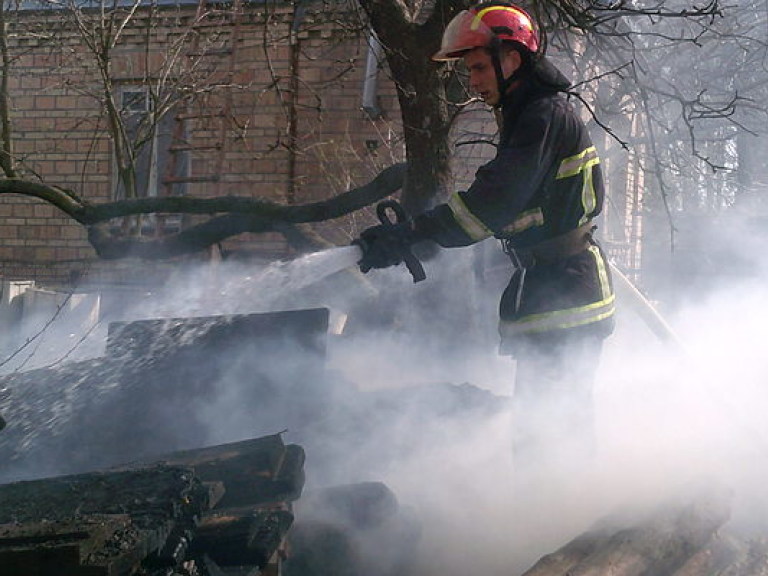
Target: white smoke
(419,400)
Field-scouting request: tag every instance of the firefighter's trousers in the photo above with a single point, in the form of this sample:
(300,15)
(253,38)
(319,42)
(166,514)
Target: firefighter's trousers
(552,403)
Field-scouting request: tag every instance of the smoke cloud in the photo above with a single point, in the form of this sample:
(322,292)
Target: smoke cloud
(415,396)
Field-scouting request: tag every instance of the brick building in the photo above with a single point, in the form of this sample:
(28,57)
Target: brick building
(274,109)
(265,100)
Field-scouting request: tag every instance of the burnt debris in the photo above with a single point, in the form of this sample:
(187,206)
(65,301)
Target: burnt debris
(163,385)
(191,512)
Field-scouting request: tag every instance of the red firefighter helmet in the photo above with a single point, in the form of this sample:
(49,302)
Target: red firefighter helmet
(479,26)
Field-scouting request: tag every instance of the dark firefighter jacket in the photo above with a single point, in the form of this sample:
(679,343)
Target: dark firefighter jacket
(544,182)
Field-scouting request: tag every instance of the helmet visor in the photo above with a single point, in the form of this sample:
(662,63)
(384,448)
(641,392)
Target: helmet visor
(464,33)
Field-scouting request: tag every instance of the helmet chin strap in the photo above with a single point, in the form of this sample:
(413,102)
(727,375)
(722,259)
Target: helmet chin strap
(503,83)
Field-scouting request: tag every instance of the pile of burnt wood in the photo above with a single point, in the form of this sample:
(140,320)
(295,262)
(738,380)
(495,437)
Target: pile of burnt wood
(218,510)
(194,512)
(229,509)
(69,506)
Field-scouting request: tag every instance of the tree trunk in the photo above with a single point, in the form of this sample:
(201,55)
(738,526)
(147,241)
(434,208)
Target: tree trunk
(426,125)
(424,107)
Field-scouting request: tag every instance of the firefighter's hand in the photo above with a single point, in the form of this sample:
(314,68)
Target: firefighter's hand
(384,245)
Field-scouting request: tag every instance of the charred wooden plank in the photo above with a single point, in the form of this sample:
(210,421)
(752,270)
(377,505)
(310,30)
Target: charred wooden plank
(753,561)
(289,481)
(246,488)
(97,523)
(145,495)
(721,552)
(659,542)
(258,457)
(112,522)
(94,544)
(253,472)
(562,561)
(237,537)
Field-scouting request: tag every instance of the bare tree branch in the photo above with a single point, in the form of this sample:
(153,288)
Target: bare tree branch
(241,214)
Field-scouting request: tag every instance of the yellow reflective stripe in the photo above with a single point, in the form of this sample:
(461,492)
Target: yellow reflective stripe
(588,196)
(602,272)
(525,220)
(471,224)
(560,319)
(479,16)
(574,164)
(571,317)
(582,163)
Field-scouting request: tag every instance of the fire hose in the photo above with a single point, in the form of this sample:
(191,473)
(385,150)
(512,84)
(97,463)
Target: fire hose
(644,308)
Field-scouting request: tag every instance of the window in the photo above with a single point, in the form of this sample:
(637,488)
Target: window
(159,170)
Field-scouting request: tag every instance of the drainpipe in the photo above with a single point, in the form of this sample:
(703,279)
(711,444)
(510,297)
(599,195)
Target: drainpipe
(293,119)
(370,82)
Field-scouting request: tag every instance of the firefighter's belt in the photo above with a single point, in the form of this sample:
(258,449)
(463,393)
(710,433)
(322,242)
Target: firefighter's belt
(557,248)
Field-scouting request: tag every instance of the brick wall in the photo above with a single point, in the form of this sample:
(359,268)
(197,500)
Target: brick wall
(60,132)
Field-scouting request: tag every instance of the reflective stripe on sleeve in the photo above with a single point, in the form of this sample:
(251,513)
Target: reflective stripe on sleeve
(525,220)
(582,163)
(574,164)
(468,222)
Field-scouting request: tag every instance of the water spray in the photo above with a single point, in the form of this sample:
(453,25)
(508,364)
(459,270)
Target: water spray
(279,277)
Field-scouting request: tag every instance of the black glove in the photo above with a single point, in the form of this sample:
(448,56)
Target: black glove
(385,245)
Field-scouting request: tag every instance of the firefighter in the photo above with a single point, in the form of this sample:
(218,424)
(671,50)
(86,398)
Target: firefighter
(539,196)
